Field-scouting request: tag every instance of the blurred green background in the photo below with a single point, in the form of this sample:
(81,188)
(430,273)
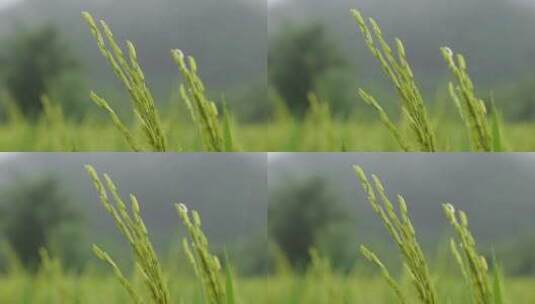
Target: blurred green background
(494,35)
(49,201)
(316,201)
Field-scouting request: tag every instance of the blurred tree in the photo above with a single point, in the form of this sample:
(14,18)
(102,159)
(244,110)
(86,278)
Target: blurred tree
(299,213)
(518,257)
(297,58)
(337,86)
(517,99)
(34,63)
(37,215)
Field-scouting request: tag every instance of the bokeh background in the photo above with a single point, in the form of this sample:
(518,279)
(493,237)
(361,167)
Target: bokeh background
(48,201)
(228,39)
(494,35)
(260,207)
(316,201)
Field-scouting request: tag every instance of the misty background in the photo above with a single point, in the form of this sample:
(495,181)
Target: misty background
(254,53)
(496,191)
(291,201)
(495,36)
(228,190)
(228,39)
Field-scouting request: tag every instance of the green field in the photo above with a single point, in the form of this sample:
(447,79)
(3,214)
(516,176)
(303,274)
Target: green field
(94,288)
(198,123)
(194,275)
(330,136)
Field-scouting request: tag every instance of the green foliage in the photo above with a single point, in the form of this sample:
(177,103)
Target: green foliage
(297,59)
(33,64)
(284,133)
(297,216)
(53,120)
(516,99)
(318,119)
(33,215)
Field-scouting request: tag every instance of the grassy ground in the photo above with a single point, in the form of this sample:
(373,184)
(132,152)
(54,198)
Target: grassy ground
(276,136)
(93,288)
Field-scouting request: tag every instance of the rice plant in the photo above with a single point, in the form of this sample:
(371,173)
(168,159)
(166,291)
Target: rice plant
(484,131)
(402,232)
(400,73)
(14,114)
(318,132)
(472,109)
(207,266)
(473,265)
(216,135)
(132,227)
(128,70)
(55,122)
(214,129)
(51,274)
(217,285)
(216,282)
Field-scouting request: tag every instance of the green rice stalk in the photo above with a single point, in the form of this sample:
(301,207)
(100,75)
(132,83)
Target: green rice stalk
(116,121)
(471,108)
(498,144)
(207,266)
(372,257)
(14,266)
(51,274)
(497,286)
(203,112)
(132,227)
(55,123)
(13,112)
(400,73)
(227,129)
(126,67)
(105,257)
(229,281)
(281,112)
(394,130)
(321,273)
(473,264)
(318,121)
(400,228)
